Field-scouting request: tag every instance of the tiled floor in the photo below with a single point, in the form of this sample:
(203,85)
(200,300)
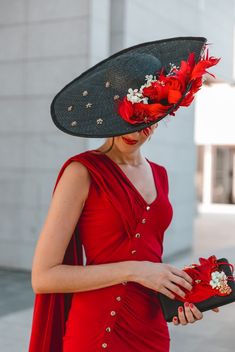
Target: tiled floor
(16,293)
(214,234)
(14,330)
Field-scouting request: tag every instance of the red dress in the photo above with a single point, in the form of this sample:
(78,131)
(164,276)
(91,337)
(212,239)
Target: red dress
(116,224)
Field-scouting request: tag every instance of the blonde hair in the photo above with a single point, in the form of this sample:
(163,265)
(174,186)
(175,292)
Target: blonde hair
(109,148)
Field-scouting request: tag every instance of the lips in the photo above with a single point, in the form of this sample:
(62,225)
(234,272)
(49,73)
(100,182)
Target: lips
(129,141)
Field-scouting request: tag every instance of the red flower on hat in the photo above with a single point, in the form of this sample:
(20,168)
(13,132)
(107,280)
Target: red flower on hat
(161,92)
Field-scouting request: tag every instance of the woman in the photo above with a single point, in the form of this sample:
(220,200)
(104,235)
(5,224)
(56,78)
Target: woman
(114,201)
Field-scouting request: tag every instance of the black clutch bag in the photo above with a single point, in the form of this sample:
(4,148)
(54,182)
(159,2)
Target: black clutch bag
(170,306)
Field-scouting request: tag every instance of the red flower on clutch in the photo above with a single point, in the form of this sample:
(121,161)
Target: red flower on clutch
(208,280)
(161,92)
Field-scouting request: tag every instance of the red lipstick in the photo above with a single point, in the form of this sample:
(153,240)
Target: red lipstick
(129,141)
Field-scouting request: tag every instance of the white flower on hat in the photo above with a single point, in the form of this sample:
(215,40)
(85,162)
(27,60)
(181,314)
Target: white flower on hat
(132,95)
(136,96)
(150,79)
(173,67)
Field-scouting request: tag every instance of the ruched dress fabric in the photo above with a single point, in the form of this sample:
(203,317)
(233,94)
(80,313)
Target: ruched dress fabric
(125,317)
(116,224)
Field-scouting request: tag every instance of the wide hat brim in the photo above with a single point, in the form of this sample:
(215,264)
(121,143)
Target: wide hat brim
(87,106)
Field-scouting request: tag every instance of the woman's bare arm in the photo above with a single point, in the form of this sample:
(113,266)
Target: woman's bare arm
(48,272)
(50,275)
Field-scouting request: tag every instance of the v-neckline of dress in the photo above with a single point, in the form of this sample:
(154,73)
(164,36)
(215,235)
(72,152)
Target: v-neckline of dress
(131,183)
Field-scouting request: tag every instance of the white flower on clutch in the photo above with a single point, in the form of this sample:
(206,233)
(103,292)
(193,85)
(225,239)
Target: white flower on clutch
(218,279)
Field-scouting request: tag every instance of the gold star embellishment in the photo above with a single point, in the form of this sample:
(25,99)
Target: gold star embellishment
(116,97)
(88,105)
(99,121)
(74,123)
(189,266)
(70,108)
(85,93)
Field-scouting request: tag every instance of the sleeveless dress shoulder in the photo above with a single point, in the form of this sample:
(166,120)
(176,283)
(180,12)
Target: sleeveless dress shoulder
(116,224)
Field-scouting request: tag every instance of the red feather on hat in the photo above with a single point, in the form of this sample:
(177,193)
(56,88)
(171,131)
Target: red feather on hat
(159,96)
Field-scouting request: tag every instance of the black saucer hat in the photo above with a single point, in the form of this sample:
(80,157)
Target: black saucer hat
(87,106)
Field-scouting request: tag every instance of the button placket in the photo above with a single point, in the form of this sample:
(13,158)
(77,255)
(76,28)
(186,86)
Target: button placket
(144,219)
(116,306)
(113,314)
(138,234)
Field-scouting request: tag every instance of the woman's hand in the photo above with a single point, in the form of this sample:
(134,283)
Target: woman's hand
(190,315)
(161,277)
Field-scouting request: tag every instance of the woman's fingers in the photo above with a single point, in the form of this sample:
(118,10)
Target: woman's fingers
(187,314)
(167,293)
(196,312)
(181,281)
(181,316)
(216,309)
(175,289)
(175,320)
(182,274)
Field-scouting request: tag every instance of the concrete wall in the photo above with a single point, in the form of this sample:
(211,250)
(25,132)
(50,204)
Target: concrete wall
(44,46)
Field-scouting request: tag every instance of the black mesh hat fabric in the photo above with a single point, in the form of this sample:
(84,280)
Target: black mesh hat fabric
(87,106)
